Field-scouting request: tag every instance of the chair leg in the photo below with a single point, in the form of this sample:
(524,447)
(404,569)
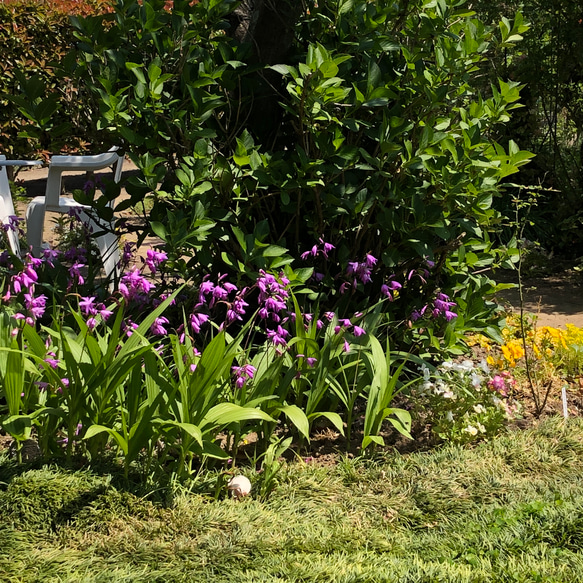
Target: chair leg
(35,220)
(108,245)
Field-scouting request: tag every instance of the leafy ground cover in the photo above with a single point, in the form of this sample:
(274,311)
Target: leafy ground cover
(507,510)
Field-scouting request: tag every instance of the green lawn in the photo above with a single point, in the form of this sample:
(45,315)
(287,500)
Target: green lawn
(508,510)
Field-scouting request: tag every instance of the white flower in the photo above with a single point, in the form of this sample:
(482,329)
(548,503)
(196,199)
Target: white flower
(446,364)
(476,380)
(440,388)
(481,428)
(471,430)
(448,395)
(479,408)
(449,416)
(465,366)
(484,366)
(498,402)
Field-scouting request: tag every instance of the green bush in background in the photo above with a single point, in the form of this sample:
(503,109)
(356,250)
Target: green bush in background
(263,134)
(40,108)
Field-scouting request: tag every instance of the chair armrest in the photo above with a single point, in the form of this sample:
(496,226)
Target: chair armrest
(21,162)
(94,162)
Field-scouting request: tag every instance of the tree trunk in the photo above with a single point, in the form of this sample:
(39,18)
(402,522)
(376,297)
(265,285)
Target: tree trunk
(268,27)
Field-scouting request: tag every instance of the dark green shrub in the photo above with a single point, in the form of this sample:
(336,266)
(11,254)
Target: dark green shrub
(367,130)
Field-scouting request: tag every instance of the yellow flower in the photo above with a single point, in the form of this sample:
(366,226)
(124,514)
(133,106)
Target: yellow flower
(479,340)
(512,351)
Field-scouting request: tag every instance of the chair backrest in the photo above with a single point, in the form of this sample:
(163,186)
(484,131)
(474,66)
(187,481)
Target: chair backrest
(60,164)
(7,208)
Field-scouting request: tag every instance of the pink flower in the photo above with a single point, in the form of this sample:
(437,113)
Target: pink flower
(154,259)
(157,327)
(51,360)
(243,374)
(370,260)
(197,320)
(86,305)
(498,384)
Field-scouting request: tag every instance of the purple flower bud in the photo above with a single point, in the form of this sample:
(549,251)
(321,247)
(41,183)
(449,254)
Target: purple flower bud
(352,267)
(197,320)
(104,312)
(157,327)
(386,292)
(51,255)
(327,248)
(243,374)
(277,337)
(52,361)
(154,259)
(370,260)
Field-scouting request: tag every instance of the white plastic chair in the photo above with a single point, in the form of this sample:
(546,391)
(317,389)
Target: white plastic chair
(6,202)
(54,202)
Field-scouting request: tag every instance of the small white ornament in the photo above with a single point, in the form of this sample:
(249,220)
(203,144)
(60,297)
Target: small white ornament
(240,486)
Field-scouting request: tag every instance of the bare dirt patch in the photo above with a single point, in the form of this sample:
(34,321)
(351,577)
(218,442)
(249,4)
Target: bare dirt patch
(555,299)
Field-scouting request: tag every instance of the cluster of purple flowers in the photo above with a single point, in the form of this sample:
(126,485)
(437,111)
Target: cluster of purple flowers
(388,289)
(273,297)
(242,374)
(89,308)
(221,292)
(441,306)
(24,282)
(322,249)
(13,224)
(361,270)
(154,259)
(134,286)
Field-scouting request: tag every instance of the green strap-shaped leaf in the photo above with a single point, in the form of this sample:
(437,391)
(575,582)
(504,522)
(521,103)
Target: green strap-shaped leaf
(298,418)
(227,413)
